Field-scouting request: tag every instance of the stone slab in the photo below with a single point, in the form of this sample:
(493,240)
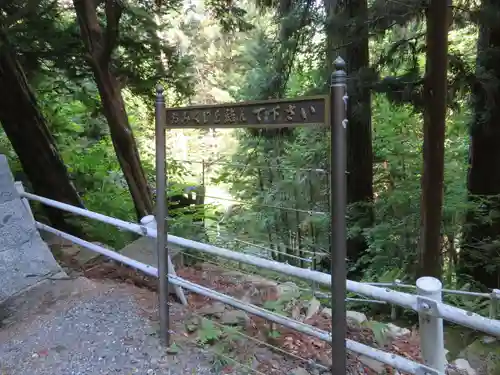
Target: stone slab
(144,251)
(25,259)
(8,190)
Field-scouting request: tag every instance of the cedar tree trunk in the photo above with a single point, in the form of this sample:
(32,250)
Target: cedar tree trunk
(31,139)
(480,252)
(99,44)
(435,92)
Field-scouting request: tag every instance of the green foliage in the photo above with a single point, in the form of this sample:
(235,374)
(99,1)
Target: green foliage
(208,333)
(219,52)
(222,341)
(379,331)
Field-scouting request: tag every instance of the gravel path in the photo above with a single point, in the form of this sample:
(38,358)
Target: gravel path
(87,327)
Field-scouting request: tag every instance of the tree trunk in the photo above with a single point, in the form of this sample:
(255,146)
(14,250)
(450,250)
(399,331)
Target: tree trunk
(31,139)
(479,255)
(100,45)
(359,129)
(123,141)
(435,92)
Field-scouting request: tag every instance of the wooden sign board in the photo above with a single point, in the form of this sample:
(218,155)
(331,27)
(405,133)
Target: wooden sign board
(265,114)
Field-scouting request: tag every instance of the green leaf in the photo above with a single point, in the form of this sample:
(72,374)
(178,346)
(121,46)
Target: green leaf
(379,331)
(208,332)
(173,349)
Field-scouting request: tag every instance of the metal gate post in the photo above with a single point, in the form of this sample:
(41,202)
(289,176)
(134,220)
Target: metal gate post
(161,215)
(338,202)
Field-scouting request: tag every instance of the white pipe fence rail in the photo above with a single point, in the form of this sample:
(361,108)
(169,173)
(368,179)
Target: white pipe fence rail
(392,360)
(493,296)
(427,303)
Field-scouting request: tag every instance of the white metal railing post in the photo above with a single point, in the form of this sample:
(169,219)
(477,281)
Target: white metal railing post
(394,308)
(20,189)
(495,296)
(429,291)
(150,221)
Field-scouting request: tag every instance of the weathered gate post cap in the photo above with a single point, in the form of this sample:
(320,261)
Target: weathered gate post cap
(339,63)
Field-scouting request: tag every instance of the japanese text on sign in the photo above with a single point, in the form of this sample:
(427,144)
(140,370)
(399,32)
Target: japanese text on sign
(256,114)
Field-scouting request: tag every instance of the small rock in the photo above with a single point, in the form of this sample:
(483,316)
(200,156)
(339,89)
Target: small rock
(71,251)
(483,358)
(312,308)
(289,290)
(356,317)
(208,267)
(192,325)
(216,308)
(237,274)
(393,331)
(274,364)
(263,355)
(296,312)
(252,296)
(59,348)
(327,312)
(376,366)
(261,282)
(461,366)
(233,317)
(299,371)
(488,340)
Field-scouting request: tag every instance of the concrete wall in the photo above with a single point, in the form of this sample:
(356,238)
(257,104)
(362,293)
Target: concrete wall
(25,259)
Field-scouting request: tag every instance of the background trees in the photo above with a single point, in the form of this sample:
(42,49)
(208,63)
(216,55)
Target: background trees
(78,79)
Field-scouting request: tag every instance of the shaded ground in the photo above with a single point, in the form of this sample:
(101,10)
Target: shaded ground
(254,351)
(108,324)
(82,327)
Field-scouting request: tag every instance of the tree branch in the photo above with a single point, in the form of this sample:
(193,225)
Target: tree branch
(114,11)
(15,12)
(90,30)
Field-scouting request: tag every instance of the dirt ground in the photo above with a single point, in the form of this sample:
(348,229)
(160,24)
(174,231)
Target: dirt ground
(255,348)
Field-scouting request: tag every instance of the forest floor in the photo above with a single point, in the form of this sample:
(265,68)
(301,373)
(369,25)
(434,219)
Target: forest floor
(104,320)
(84,327)
(236,342)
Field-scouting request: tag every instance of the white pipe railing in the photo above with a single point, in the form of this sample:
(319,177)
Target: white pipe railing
(390,359)
(493,296)
(447,312)
(427,304)
(253,260)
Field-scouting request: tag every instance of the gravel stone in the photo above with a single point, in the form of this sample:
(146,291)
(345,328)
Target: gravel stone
(99,330)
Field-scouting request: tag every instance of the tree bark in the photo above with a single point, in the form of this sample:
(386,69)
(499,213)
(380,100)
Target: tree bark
(31,139)
(100,44)
(359,129)
(480,252)
(289,39)
(435,92)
